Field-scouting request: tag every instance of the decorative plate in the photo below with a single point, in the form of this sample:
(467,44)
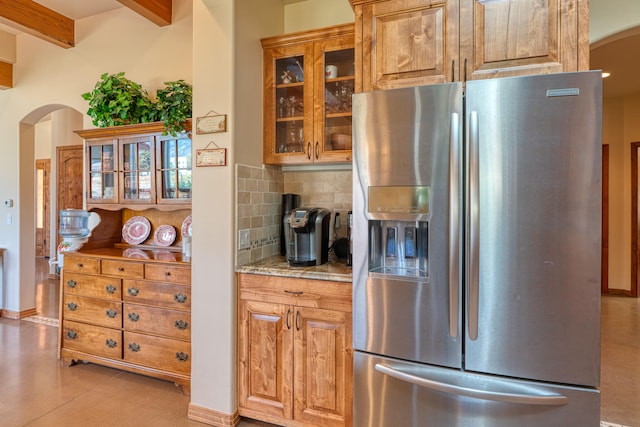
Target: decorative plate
(136,230)
(186,226)
(164,235)
(135,253)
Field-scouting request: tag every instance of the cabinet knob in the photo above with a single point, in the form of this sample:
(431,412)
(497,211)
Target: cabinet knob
(79,265)
(72,306)
(182,357)
(120,269)
(181,324)
(111,313)
(72,283)
(133,291)
(167,274)
(134,347)
(181,298)
(110,289)
(71,334)
(111,343)
(134,317)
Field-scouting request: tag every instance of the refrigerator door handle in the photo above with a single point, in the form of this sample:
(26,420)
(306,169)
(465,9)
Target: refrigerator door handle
(454,225)
(474,244)
(503,391)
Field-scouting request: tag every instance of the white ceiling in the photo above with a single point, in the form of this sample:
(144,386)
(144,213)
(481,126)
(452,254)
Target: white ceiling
(620,57)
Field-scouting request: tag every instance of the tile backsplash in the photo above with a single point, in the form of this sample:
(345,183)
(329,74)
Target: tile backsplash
(259,202)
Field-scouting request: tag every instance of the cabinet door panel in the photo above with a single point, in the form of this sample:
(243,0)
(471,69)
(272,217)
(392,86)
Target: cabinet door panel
(265,357)
(409,42)
(518,37)
(323,367)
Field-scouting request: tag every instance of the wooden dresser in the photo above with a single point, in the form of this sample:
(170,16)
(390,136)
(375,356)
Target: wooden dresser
(131,313)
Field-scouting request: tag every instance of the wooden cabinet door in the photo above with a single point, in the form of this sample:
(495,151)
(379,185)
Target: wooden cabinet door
(288,101)
(518,37)
(323,367)
(408,43)
(265,347)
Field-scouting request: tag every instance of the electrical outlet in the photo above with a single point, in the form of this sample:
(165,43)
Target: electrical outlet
(244,239)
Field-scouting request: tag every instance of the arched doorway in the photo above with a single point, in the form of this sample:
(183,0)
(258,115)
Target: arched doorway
(63,121)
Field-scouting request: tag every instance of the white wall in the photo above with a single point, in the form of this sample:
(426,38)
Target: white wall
(310,14)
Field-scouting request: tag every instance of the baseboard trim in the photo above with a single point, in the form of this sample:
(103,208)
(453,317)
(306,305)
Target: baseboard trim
(17,315)
(211,417)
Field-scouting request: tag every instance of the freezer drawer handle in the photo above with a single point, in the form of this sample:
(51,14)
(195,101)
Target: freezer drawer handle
(535,395)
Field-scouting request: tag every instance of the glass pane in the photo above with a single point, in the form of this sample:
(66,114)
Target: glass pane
(95,156)
(144,185)
(109,190)
(107,158)
(169,154)
(169,185)
(290,70)
(144,157)
(184,184)
(130,186)
(96,186)
(129,156)
(184,154)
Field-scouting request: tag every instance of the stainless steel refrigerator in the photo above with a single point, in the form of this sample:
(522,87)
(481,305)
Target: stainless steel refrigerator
(476,253)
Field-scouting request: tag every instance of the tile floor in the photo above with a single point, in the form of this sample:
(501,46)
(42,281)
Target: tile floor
(38,391)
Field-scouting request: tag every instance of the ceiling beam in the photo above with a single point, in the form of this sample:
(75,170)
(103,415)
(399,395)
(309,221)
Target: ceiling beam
(6,75)
(39,21)
(157,11)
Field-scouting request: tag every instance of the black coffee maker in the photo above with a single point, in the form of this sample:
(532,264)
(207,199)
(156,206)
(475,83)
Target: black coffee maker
(307,236)
(289,201)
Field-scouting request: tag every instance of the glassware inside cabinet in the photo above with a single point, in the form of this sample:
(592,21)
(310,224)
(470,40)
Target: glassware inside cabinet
(289,104)
(339,86)
(175,168)
(101,182)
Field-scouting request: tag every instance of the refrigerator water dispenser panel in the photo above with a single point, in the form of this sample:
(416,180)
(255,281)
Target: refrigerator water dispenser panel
(399,249)
(408,199)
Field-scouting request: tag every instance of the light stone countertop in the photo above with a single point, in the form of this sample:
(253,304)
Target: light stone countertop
(335,270)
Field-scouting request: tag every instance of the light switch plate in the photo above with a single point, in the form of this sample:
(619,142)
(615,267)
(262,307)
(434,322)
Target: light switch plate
(244,239)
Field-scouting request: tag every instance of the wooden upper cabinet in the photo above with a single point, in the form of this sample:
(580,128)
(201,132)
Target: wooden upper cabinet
(307,113)
(406,43)
(414,42)
(518,37)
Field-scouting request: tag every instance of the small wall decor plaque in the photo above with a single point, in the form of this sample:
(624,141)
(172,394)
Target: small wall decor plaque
(211,122)
(211,156)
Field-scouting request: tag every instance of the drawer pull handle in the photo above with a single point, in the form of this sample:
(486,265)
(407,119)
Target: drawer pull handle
(110,289)
(293,292)
(134,317)
(181,324)
(72,283)
(288,317)
(182,357)
(134,347)
(111,313)
(72,306)
(297,320)
(133,291)
(120,269)
(181,298)
(111,343)
(71,334)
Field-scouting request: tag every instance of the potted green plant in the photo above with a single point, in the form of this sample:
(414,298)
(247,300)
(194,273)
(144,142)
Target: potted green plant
(115,100)
(173,105)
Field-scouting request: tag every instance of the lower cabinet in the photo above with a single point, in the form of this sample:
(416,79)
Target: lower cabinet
(295,354)
(129,314)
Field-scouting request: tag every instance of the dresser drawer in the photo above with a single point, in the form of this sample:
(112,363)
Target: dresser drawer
(155,352)
(81,264)
(157,321)
(92,286)
(168,273)
(92,339)
(176,297)
(92,310)
(133,270)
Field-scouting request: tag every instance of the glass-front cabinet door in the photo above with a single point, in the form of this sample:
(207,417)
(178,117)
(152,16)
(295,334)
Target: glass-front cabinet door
(336,70)
(137,177)
(102,162)
(173,166)
(288,113)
